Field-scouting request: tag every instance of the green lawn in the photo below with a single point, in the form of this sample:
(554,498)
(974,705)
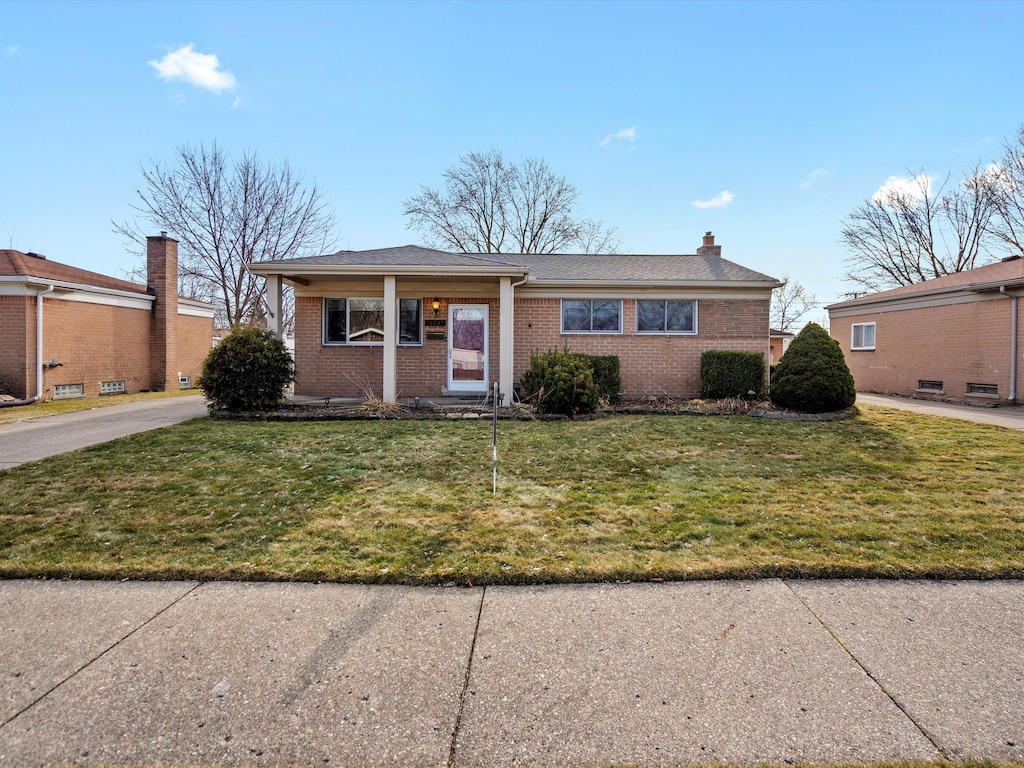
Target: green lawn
(634,497)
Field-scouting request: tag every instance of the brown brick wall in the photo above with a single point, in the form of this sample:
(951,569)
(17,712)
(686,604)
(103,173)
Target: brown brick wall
(651,364)
(94,343)
(195,338)
(17,348)
(954,344)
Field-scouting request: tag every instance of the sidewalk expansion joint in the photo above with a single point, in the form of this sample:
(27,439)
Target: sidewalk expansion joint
(100,655)
(465,682)
(871,677)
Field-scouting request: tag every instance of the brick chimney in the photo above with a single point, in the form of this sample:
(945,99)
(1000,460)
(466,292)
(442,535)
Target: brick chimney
(162,279)
(709,248)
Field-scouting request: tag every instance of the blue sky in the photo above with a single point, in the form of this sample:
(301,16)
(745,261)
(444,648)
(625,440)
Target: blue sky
(786,115)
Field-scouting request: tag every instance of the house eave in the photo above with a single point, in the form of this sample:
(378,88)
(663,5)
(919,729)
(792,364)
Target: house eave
(265,269)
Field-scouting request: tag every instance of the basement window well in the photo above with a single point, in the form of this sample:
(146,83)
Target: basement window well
(929,385)
(68,390)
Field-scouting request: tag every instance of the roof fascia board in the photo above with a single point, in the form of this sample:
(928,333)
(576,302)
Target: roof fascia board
(21,286)
(644,291)
(333,270)
(912,301)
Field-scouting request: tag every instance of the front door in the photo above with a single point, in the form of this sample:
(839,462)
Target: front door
(467,347)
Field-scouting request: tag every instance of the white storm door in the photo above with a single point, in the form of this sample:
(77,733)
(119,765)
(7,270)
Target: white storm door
(467,347)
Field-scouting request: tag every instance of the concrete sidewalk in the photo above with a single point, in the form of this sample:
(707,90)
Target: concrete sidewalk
(771,671)
(40,438)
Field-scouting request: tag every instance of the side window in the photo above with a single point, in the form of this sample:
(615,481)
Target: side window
(335,325)
(410,321)
(862,336)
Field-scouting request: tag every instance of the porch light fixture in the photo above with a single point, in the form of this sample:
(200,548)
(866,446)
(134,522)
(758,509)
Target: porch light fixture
(437,306)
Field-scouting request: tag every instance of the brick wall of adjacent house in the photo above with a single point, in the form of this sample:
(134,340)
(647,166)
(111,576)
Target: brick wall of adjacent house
(651,364)
(95,343)
(194,344)
(17,350)
(956,344)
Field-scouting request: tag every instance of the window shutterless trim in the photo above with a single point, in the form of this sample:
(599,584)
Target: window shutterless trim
(863,345)
(664,330)
(561,314)
(347,342)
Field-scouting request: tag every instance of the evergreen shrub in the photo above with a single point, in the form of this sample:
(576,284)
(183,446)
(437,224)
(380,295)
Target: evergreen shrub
(560,382)
(607,372)
(725,373)
(247,371)
(813,376)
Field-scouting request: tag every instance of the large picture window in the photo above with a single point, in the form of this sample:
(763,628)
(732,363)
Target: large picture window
(666,316)
(591,316)
(361,321)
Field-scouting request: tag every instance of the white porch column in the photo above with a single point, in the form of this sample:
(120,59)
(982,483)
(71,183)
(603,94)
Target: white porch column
(275,305)
(390,393)
(506,318)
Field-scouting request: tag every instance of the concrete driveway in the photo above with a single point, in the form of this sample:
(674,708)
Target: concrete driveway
(1008,416)
(40,438)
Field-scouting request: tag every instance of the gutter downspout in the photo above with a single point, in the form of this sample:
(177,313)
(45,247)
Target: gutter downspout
(39,354)
(1013,342)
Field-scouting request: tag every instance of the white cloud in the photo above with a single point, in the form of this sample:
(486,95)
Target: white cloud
(716,202)
(812,178)
(900,185)
(15,50)
(200,69)
(237,101)
(629,134)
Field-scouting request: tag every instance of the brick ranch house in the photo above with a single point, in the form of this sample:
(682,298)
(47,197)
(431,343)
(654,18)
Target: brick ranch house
(461,321)
(954,337)
(68,332)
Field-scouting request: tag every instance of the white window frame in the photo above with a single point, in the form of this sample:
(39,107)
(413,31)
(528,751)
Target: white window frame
(853,337)
(665,331)
(348,322)
(573,331)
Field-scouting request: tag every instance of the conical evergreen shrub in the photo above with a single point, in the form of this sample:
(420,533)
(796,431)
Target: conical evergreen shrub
(813,376)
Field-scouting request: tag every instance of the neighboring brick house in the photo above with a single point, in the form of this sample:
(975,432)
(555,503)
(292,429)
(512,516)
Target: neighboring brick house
(778,344)
(954,337)
(68,332)
(461,321)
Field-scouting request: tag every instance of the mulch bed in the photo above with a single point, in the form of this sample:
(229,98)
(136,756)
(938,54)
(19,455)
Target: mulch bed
(376,410)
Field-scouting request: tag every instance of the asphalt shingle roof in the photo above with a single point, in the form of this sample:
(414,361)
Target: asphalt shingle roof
(18,264)
(990,273)
(555,268)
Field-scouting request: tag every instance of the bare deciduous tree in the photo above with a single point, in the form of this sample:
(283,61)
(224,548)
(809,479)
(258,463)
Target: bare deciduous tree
(1004,183)
(789,304)
(913,231)
(489,205)
(225,215)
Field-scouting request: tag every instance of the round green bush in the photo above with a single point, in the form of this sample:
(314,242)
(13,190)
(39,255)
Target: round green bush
(813,376)
(561,382)
(247,371)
